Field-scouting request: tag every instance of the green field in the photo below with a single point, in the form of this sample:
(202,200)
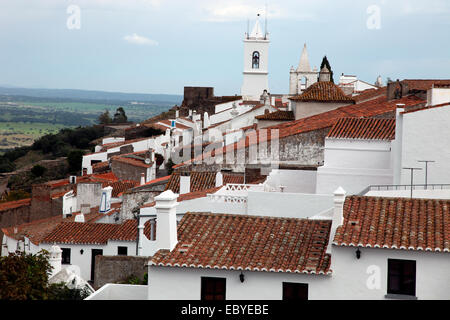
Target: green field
(24,119)
(17,134)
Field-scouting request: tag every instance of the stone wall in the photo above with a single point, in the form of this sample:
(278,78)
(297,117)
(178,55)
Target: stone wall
(125,171)
(113,269)
(303,149)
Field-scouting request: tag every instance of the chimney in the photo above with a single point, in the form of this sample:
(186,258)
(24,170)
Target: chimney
(84,209)
(166,219)
(219,179)
(177,114)
(105,201)
(338,214)
(185,182)
(142,178)
(79,217)
(55,259)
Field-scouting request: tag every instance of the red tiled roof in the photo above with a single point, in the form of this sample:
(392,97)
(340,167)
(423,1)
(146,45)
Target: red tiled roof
(323,120)
(14,204)
(424,84)
(370,94)
(92,233)
(100,167)
(427,107)
(241,242)
(277,115)
(121,186)
(201,180)
(188,196)
(131,161)
(38,229)
(323,91)
(177,124)
(395,223)
(363,128)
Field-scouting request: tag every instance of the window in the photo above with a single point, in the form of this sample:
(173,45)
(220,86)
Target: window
(213,288)
(295,291)
(65,256)
(255,60)
(402,277)
(122,251)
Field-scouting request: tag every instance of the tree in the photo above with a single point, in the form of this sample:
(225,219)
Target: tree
(327,64)
(105,118)
(38,170)
(75,159)
(120,116)
(169,165)
(24,276)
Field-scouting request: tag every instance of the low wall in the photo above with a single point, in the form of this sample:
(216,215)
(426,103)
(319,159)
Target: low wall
(113,269)
(113,291)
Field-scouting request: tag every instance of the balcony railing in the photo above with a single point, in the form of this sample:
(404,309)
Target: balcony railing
(393,187)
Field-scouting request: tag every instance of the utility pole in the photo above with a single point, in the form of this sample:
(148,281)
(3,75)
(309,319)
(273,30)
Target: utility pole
(412,170)
(426,170)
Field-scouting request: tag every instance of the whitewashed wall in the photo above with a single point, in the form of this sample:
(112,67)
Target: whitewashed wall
(350,274)
(301,181)
(354,165)
(165,283)
(425,136)
(291,205)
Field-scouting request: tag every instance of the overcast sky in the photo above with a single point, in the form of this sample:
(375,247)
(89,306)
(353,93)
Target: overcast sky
(160,46)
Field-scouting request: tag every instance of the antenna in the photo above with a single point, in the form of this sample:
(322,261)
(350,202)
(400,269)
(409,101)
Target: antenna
(265,24)
(248,28)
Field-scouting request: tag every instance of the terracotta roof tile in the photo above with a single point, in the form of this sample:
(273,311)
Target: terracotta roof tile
(363,128)
(424,84)
(92,233)
(324,120)
(241,242)
(14,204)
(427,107)
(395,223)
(323,91)
(277,115)
(38,229)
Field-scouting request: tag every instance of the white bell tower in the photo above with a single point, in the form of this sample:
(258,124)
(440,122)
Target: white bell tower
(256,54)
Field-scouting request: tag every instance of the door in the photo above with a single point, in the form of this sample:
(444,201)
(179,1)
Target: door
(95,252)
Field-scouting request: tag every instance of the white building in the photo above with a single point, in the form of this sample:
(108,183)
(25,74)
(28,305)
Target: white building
(81,237)
(366,260)
(256,55)
(357,153)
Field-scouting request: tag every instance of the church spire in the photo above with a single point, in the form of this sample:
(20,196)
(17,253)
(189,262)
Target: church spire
(257,32)
(303,65)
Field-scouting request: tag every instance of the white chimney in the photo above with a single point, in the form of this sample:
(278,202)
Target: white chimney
(105,201)
(338,214)
(166,220)
(55,259)
(177,114)
(142,178)
(79,218)
(219,179)
(185,183)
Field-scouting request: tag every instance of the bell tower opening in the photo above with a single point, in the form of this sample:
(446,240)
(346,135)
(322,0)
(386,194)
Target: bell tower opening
(255,60)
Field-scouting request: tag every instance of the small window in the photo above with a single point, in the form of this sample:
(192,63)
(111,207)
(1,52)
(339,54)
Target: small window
(295,291)
(122,251)
(65,256)
(255,60)
(402,277)
(213,288)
